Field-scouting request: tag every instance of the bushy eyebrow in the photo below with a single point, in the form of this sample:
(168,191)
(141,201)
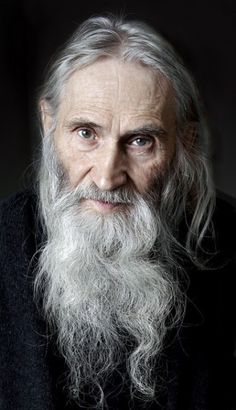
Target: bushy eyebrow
(147,129)
(81,122)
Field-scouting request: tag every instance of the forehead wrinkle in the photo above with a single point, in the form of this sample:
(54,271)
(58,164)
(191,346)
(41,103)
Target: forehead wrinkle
(116,97)
(139,111)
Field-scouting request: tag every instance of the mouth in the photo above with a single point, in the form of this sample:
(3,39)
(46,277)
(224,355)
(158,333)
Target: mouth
(104,206)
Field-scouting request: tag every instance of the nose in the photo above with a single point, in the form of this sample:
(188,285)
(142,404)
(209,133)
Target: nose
(109,170)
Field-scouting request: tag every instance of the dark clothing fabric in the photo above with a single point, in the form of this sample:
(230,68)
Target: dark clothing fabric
(197,368)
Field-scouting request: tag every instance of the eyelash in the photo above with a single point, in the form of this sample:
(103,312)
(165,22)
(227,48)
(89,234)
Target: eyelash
(147,146)
(87,130)
(146,138)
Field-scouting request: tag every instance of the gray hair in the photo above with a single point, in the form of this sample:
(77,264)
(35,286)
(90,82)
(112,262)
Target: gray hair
(111,37)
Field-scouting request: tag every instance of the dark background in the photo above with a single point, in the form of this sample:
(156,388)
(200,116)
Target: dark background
(203,32)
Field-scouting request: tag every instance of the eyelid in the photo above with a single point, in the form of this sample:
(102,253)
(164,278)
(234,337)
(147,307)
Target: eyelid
(86,129)
(156,143)
(91,139)
(141,136)
(75,126)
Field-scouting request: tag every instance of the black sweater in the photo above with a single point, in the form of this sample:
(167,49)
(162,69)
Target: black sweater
(198,365)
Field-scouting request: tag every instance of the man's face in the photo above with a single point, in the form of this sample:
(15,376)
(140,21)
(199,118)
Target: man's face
(116,127)
(115,134)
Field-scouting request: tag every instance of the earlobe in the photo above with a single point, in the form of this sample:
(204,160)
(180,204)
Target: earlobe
(46,117)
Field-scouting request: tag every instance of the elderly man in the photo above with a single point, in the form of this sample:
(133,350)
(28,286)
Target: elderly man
(116,270)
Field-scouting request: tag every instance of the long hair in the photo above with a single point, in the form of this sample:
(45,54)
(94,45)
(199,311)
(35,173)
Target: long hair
(111,37)
(186,194)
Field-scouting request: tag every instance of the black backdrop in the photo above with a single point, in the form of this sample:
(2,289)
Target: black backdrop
(204,33)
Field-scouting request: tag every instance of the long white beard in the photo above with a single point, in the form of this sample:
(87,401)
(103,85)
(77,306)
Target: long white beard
(109,298)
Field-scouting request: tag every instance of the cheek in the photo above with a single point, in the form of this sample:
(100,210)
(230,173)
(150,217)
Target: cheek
(74,162)
(78,167)
(144,175)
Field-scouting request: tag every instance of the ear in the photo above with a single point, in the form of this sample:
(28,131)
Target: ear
(46,117)
(189,134)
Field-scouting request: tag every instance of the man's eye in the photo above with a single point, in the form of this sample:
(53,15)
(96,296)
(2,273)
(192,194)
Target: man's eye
(142,142)
(86,134)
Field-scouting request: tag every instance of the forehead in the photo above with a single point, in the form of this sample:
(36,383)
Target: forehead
(110,85)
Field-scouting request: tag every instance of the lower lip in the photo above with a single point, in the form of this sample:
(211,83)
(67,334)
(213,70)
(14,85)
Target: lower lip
(104,206)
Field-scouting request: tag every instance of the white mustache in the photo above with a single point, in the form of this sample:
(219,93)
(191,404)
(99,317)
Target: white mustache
(121,195)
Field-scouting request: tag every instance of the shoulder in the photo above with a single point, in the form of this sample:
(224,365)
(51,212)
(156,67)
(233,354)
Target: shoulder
(13,206)
(17,225)
(208,334)
(17,210)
